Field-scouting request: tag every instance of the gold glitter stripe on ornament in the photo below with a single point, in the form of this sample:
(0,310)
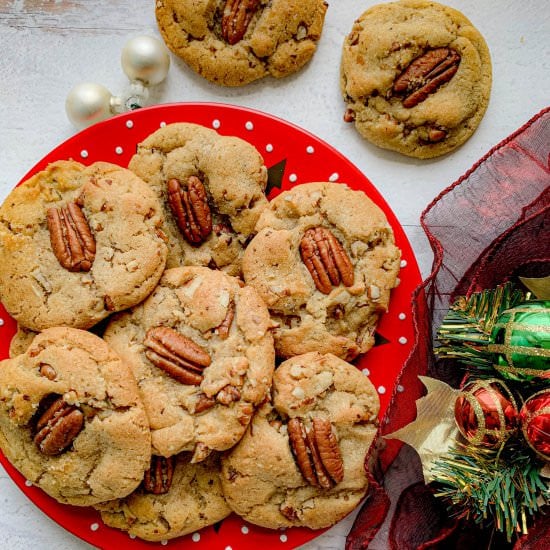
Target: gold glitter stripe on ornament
(482,431)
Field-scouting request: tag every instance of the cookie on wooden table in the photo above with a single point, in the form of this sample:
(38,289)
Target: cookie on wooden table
(176,498)
(201,350)
(233,42)
(302,462)
(324,261)
(416,77)
(212,191)
(71,419)
(77,244)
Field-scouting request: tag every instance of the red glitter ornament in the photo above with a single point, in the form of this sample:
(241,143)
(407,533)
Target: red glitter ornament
(486,412)
(534,418)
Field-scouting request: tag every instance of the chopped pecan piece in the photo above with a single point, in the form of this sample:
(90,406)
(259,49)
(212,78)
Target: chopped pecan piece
(317,452)
(189,204)
(325,259)
(158,478)
(228,394)
(58,427)
(48,371)
(176,355)
(71,238)
(237,15)
(204,403)
(225,325)
(425,75)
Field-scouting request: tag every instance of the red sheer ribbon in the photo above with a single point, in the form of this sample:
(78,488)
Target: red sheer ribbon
(489,226)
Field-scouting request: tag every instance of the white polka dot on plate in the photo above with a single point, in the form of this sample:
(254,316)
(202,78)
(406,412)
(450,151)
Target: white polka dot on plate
(403,263)
(334,176)
(310,149)
(84,153)
(269,148)
(1,322)
(249,126)
(366,372)
(94,526)
(132,536)
(119,150)
(381,390)
(195,537)
(402,340)
(162,124)
(228,548)
(244,530)
(400,388)
(283,538)
(402,316)
(216,124)
(129,124)
(293,178)
(28,483)
(164,542)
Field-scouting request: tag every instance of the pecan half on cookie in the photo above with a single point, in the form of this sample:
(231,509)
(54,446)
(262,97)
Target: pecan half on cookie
(71,238)
(425,75)
(176,355)
(325,259)
(57,427)
(237,15)
(317,452)
(158,478)
(189,204)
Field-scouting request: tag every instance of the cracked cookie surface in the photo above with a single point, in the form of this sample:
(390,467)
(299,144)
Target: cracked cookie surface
(341,318)
(234,177)
(123,217)
(193,501)
(275,38)
(112,450)
(229,323)
(261,478)
(416,77)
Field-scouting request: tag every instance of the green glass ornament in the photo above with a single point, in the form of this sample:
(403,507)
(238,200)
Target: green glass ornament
(520,339)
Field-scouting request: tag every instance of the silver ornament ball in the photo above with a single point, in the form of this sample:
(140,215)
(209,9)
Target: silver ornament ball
(88,103)
(146,59)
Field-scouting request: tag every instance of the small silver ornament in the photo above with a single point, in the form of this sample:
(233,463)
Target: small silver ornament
(146,59)
(88,103)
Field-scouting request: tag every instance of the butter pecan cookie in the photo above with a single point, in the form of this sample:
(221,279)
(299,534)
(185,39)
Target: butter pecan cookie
(212,191)
(78,243)
(233,42)
(71,420)
(175,498)
(202,352)
(302,462)
(324,261)
(416,77)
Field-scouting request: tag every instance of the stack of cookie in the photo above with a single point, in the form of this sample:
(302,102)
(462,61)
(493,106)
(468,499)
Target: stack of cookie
(153,303)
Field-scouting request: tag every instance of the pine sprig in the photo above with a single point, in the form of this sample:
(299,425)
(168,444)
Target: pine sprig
(466,330)
(503,486)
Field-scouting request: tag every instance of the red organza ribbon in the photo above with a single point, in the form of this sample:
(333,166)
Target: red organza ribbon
(489,226)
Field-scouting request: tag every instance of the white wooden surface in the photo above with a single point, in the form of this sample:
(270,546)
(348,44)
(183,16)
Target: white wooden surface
(47,46)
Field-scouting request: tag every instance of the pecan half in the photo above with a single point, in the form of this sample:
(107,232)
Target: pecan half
(325,259)
(425,75)
(176,355)
(237,15)
(317,452)
(189,204)
(58,427)
(72,241)
(158,478)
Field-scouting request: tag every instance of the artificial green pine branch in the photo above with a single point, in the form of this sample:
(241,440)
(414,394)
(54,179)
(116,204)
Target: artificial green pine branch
(465,331)
(503,487)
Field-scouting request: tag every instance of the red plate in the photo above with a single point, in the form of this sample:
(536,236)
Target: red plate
(299,157)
